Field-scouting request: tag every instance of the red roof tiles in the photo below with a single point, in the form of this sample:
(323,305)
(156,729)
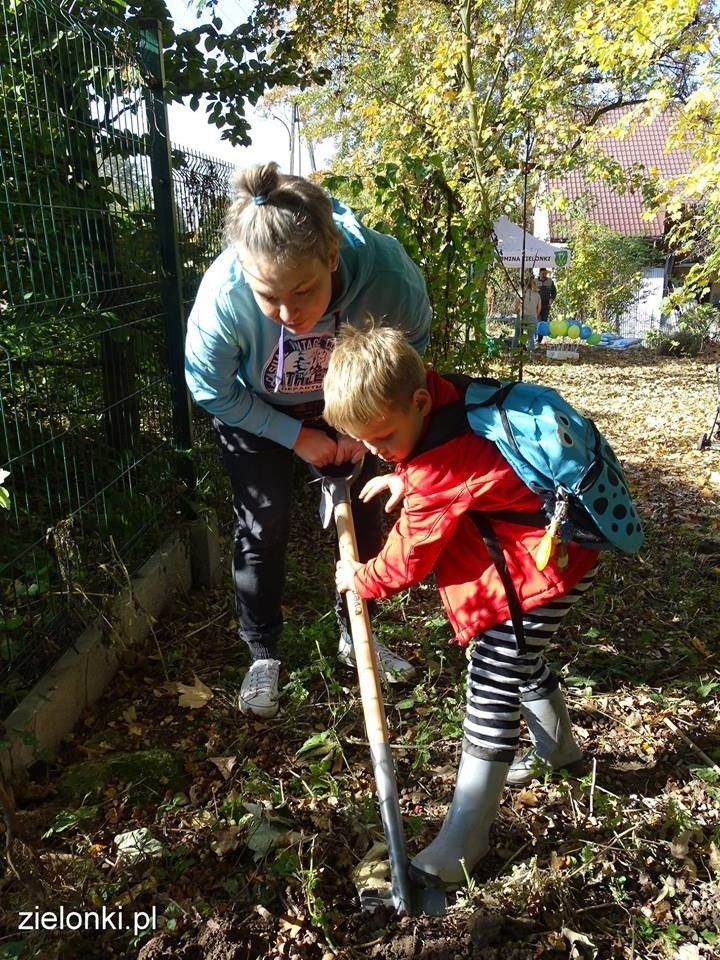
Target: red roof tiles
(623,212)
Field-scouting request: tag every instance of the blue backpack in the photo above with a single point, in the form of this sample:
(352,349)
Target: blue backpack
(559,454)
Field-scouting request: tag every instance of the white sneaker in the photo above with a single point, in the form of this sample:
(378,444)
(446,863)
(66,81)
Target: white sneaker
(393,667)
(259,691)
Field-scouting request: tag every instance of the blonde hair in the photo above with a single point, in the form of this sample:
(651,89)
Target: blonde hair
(276,215)
(372,371)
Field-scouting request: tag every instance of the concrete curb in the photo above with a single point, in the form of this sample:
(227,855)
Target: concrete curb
(57,701)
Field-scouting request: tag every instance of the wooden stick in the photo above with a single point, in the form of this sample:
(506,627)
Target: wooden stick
(693,746)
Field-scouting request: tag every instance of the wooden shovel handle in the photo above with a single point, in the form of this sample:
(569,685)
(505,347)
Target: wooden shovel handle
(365,656)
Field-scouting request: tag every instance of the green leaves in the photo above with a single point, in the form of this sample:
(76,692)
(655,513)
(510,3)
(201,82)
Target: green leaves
(4,495)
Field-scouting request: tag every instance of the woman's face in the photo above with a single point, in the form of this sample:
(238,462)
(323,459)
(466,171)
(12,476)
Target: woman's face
(294,295)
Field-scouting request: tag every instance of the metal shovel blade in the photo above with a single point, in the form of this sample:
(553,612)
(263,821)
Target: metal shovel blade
(373,880)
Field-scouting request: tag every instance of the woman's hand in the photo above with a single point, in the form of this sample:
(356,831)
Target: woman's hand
(392,482)
(315,447)
(348,449)
(345,575)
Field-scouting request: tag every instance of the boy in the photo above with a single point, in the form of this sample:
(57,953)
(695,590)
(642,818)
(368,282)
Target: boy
(378,391)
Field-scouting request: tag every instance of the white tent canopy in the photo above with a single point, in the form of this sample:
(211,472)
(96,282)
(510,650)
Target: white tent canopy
(538,253)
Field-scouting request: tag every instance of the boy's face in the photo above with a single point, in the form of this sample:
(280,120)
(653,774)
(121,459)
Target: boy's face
(394,436)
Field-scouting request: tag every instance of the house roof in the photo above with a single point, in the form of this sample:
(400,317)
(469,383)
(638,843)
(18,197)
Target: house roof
(623,212)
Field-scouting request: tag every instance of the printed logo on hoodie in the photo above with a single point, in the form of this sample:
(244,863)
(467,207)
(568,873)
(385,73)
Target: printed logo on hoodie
(305,364)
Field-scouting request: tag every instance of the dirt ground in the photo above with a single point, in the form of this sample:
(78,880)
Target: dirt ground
(230,838)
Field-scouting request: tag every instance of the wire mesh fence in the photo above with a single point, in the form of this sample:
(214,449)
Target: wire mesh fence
(86,432)
(202,188)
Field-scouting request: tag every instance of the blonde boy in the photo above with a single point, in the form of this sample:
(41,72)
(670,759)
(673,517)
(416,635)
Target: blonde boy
(378,391)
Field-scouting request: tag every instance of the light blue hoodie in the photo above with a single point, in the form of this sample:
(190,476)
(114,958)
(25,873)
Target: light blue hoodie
(232,348)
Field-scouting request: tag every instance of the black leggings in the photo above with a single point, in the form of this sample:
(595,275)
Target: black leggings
(261,474)
(499,678)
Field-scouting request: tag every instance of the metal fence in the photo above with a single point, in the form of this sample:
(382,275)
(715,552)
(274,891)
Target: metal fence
(87,397)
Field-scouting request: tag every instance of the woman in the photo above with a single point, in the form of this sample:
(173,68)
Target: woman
(529,310)
(297,265)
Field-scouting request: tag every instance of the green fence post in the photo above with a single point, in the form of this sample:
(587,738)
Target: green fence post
(150,52)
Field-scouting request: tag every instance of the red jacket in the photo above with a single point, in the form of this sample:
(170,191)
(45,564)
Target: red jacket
(434,532)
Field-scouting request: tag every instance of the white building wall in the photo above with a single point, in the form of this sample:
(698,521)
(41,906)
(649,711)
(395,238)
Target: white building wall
(644,314)
(541,224)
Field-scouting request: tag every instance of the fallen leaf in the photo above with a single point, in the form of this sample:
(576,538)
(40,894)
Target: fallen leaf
(581,946)
(715,856)
(195,696)
(526,798)
(225,765)
(681,844)
(321,745)
(700,645)
(373,871)
(136,845)
(292,927)
(688,951)
(225,840)
(202,818)
(131,895)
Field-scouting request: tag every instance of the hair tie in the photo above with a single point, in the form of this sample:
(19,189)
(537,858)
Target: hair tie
(260,199)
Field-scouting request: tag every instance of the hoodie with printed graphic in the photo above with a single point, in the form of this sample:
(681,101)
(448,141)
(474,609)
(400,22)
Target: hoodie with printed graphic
(232,350)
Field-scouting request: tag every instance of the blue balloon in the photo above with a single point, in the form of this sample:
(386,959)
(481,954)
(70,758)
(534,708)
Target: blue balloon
(572,322)
(585,331)
(543,328)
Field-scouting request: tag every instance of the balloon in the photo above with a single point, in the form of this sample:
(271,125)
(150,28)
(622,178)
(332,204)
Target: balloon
(573,331)
(594,339)
(543,328)
(572,322)
(585,331)
(558,328)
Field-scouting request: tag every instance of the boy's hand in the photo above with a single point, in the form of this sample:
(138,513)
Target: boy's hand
(392,482)
(345,575)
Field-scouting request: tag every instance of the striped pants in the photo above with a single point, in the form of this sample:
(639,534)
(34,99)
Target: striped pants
(499,678)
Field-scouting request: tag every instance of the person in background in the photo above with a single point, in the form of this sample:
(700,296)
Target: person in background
(528,316)
(548,292)
(297,265)
(378,391)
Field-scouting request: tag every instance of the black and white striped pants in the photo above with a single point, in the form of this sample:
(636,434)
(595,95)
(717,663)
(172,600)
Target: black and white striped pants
(499,678)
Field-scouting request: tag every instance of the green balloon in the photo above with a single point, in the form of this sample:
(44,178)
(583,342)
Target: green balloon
(558,328)
(573,331)
(593,339)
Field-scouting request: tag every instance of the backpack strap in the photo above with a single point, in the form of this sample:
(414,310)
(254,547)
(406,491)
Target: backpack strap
(498,558)
(450,421)
(446,423)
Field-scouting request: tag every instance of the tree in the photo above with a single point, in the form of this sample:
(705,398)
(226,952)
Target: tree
(487,95)
(604,277)
(227,69)
(692,199)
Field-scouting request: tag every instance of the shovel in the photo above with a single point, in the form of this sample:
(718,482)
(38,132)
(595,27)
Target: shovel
(404,896)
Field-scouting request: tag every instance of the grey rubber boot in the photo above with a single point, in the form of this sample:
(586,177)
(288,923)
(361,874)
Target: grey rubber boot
(554,747)
(464,833)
